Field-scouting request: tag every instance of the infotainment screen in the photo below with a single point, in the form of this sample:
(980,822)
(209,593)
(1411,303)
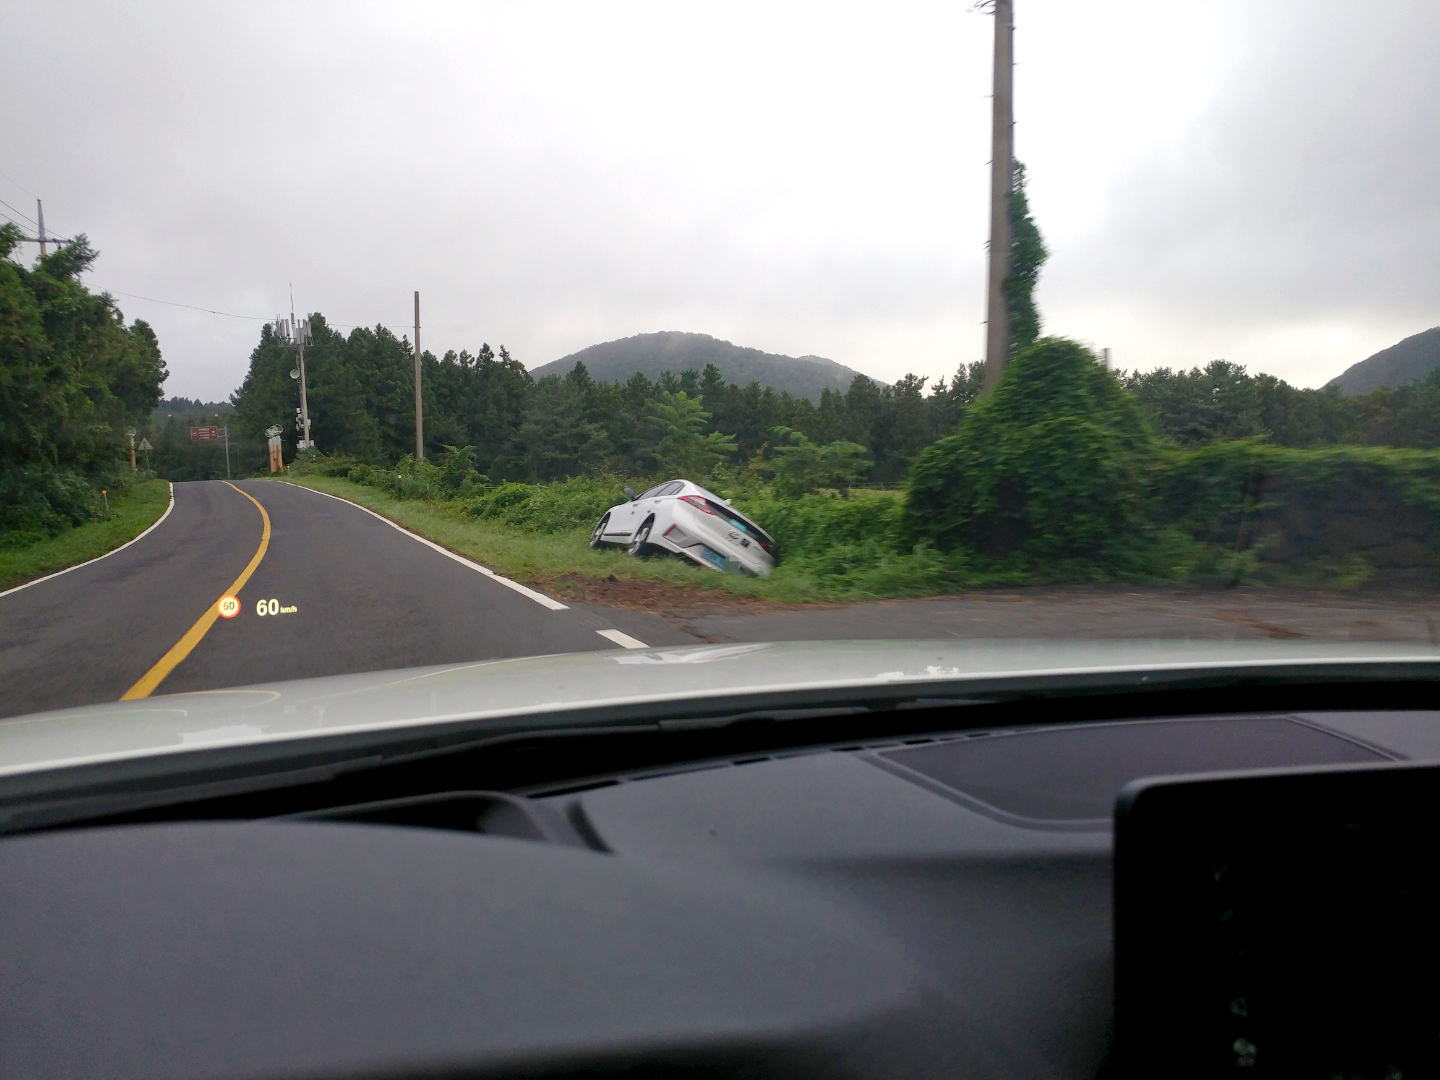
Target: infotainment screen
(1280,924)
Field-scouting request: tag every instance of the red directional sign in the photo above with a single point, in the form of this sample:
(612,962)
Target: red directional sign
(202,434)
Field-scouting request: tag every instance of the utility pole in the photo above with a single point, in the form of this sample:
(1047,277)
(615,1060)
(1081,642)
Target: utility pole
(1002,181)
(40,215)
(227,451)
(419,402)
(302,338)
(297,334)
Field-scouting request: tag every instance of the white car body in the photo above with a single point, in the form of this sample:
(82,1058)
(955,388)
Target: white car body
(686,520)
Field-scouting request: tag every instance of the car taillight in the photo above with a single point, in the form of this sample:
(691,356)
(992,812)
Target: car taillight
(699,502)
(769,546)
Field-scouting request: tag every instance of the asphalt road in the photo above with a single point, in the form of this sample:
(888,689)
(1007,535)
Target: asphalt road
(367,596)
(357,594)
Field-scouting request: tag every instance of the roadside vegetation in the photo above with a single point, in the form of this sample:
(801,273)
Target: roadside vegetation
(1059,477)
(74,378)
(133,509)
(1069,472)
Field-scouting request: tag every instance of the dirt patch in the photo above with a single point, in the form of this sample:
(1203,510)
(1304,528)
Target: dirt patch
(659,597)
(1269,629)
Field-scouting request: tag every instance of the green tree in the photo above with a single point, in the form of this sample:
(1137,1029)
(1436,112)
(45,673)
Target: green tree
(683,446)
(73,378)
(802,466)
(555,440)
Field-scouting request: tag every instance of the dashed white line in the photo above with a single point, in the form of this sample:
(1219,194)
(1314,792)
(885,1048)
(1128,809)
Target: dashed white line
(539,597)
(107,554)
(621,639)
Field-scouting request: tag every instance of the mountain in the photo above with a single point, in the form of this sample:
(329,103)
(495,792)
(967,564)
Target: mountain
(673,351)
(1405,362)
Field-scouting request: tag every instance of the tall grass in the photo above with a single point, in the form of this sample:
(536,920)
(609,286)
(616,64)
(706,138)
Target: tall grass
(831,547)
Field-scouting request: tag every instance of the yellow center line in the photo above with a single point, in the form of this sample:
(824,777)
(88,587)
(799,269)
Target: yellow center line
(181,649)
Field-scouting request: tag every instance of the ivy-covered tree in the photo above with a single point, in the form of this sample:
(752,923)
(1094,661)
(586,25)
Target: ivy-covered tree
(1027,256)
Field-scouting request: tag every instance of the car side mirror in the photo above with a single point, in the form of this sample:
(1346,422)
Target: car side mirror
(629,493)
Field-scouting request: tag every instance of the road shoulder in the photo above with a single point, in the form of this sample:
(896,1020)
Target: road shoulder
(133,515)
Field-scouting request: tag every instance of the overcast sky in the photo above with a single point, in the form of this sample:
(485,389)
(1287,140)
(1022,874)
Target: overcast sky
(1255,180)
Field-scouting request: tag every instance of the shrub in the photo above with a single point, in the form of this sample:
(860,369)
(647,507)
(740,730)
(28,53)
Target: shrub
(1049,473)
(816,523)
(1329,516)
(37,502)
(410,479)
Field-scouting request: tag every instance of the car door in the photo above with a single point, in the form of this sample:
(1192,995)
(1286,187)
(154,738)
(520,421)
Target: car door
(653,501)
(626,518)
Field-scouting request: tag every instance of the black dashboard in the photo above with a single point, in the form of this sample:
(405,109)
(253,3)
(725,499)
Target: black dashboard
(940,904)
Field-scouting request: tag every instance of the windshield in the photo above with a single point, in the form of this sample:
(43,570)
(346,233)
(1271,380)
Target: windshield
(342,341)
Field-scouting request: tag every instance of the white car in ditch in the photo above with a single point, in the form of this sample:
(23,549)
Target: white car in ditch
(684,519)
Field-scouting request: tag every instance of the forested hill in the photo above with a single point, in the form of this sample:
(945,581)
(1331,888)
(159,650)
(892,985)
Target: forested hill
(673,351)
(1405,362)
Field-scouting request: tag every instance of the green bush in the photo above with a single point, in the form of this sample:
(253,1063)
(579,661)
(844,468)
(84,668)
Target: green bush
(816,523)
(37,502)
(1329,516)
(1049,473)
(548,508)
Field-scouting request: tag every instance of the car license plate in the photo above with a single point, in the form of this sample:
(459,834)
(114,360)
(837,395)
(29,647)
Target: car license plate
(714,558)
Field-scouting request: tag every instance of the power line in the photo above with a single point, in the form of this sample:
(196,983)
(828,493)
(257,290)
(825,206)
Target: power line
(192,307)
(21,186)
(22,213)
(253,318)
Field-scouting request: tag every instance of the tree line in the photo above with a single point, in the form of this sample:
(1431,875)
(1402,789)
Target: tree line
(360,394)
(1222,401)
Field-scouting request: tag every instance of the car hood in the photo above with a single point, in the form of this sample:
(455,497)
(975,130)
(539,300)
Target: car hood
(650,685)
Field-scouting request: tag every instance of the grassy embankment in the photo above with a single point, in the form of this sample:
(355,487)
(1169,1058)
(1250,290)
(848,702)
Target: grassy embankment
(553,554)
(131,513)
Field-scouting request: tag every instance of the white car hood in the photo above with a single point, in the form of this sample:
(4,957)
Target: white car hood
(550,688)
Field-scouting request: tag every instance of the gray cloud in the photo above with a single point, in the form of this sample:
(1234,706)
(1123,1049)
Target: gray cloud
(1304,195)
(801,178)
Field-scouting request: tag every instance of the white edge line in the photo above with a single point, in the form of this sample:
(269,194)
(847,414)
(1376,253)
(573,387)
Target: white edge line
(622,639)
(539,597)
(155,525)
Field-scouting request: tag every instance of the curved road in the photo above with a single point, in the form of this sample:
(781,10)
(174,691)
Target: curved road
(365,596)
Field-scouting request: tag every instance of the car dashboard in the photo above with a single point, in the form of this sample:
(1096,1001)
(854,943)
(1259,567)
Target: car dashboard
(929,902)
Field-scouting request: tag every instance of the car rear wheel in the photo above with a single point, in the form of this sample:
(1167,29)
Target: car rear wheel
(598,532)
(640,542)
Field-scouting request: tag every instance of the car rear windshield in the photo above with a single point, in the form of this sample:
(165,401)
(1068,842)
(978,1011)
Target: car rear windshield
(741,522)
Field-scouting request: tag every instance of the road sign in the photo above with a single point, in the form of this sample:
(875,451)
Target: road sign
(229,607)
(145,445)
(204,434)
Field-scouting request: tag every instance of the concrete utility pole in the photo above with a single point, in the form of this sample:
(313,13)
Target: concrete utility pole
(297,333)
(40,216)
(302,338)
(1002,180)
(419,402)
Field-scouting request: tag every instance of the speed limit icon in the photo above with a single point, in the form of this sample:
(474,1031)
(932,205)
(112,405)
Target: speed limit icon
(229,607)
